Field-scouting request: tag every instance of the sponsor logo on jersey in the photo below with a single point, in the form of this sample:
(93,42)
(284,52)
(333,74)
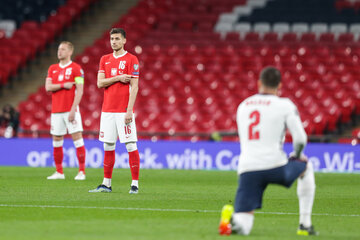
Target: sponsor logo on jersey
(55,71)
(113,71)
(136,67)
(107,62)
(135,73)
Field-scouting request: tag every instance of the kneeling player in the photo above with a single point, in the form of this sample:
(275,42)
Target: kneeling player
(262,121)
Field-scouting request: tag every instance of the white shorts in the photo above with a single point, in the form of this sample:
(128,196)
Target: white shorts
(112,126)
(60,124)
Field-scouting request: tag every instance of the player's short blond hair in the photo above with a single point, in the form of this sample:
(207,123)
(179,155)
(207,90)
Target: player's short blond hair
(70,45)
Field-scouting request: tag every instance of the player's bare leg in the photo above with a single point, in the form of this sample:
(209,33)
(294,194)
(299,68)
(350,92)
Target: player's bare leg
(80,153)
(58,154)
(134,162)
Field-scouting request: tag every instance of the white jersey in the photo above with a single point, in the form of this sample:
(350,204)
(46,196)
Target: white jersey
(262,121)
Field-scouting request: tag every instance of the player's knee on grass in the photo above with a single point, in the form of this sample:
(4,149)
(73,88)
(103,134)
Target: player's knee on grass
(109,146)
(242,223)
(131,146)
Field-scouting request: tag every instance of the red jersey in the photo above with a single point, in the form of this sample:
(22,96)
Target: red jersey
(63,99)
(116,96)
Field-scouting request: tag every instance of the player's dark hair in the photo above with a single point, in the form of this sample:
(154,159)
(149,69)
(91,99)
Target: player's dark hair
(270,77)
(118,30)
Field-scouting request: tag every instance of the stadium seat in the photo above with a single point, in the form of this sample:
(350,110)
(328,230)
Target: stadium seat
(242,28)
(262,28)
(281,28)
(319,28)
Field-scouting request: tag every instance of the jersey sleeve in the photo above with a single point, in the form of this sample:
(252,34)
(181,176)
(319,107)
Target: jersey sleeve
(49,74)
(134,68)
(102,65)
(293,123)
(79,75)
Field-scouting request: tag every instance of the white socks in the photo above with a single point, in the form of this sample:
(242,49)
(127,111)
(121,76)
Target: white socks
(79,143)
(107,182)
(135,183)
(242,223)
(306,193)
(58,143)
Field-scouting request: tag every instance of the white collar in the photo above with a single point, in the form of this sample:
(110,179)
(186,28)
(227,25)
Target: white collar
(120,55)
(66,65)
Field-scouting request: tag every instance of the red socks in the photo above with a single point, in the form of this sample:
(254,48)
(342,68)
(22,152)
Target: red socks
(80,153)
(109,161)
(58,158)
(134,162)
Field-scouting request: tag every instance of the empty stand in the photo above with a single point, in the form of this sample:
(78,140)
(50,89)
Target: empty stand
(192,80)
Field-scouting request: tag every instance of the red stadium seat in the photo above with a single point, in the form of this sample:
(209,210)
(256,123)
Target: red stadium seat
(252,37)
(289,37)
(271,37)
(327,37)
(308,37)
(346,38)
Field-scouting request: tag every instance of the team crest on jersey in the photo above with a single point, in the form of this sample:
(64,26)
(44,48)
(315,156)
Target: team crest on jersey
(113,71)
(136,67)
(61,77)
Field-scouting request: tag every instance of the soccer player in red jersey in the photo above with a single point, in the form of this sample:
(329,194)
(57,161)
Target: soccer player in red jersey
(119,76)
(65,81)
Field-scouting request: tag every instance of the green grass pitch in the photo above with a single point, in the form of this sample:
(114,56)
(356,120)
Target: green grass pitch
(28,200)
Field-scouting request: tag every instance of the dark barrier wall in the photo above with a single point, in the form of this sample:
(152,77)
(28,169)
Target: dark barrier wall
(170,154)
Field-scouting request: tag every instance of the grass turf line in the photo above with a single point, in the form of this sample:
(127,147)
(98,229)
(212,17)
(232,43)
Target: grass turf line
(337,194)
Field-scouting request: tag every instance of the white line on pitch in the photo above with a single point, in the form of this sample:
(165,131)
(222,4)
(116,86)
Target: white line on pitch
(167,210)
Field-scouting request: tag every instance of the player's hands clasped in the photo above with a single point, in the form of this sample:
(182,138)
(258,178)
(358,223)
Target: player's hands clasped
(128,117)
(124,78)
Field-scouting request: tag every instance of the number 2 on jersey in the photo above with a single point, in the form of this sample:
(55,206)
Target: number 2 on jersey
(253,134)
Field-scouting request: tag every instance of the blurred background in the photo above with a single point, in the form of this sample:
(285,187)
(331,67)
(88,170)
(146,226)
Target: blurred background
(198,60)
